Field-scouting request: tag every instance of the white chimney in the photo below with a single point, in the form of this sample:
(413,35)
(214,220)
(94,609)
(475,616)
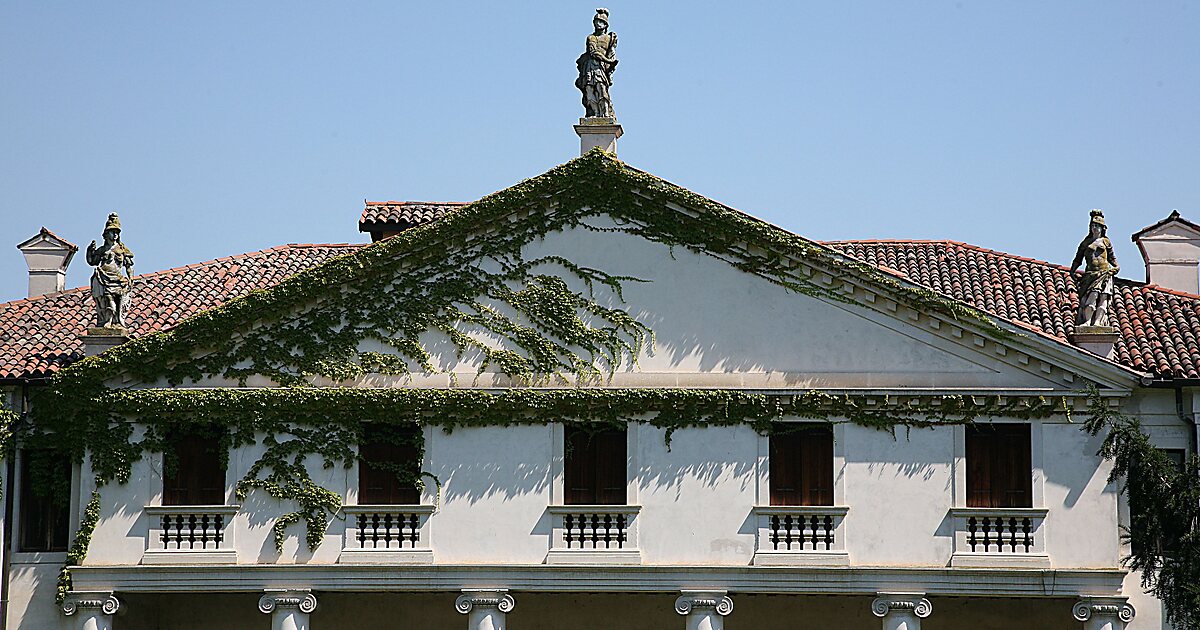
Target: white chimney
(1171,249)
(47,257)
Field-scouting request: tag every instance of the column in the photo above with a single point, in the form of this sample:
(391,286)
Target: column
(485,609)
(289,609)
(1103,613)
(92,610)
(901,611)
(705,610)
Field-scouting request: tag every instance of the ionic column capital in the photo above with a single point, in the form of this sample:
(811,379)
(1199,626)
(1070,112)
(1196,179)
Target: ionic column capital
(484,598)
(901,603)
(102,602)
(283,599)
(693,602)
(1088,608)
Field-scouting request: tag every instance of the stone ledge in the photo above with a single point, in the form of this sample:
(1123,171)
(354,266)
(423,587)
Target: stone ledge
(594,556)
(189,556)
(801,559)
(386,556)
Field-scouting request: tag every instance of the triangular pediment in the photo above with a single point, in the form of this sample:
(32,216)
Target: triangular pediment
(601,274)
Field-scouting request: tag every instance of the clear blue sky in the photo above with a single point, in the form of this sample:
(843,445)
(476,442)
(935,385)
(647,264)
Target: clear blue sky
(216,128)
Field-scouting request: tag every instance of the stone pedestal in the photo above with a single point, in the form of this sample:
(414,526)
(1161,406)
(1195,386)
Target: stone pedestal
(485,609)
(1098,340)
(1103,613)
(92,611)
(98,340)
(289,609)
(901,611)
(705,610)
(598,132)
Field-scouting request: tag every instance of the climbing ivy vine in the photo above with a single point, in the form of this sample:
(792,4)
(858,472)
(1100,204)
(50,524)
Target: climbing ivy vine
(549,323)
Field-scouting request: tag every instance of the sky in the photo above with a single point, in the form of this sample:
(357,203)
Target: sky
(215,128)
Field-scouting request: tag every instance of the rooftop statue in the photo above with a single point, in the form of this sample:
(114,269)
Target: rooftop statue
(111,289)
(596,66)
(1099,269)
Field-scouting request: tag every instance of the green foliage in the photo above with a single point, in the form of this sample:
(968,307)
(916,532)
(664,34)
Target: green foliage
(465,277)
(1164,511)
(79,547)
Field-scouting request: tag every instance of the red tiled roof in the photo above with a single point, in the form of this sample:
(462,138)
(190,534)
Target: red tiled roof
(401,215)
(40,335)
(1160,328)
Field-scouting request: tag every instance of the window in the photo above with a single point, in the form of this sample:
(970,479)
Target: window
(388,453)
(801,465)
(193,470)
(999,472)
(45,501)
(595,467)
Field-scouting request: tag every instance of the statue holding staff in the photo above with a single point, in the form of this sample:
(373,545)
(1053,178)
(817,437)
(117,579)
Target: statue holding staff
(1099,262)
(110,289)
(596,66)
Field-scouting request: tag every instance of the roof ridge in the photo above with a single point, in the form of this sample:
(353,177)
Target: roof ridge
(182,268)
(424,203)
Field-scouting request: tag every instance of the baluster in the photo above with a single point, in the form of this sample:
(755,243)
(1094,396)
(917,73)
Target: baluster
(621,531)
(1026,526)
(387,530)
(988,523)
(813,533)
(568,526)
(362,531)
(828,532)
(775,532)
(191,531)
(204,531)
(375,531)
(607,530)
(1012,530)
(595,531)
(166,530)
(219,527)
(971,527)
(177,534)
(414,522)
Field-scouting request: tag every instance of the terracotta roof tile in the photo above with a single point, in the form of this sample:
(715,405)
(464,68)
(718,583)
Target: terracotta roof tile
(401,215)
(40,335)
(1159,327)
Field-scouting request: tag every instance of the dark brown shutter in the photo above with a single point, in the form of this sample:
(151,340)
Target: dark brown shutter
(45,516)
(999,469)
(801,465)
(594,469)
(384,450)
(197,476)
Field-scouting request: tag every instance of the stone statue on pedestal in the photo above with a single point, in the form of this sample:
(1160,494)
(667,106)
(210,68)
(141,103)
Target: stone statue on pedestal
(596,66)
(110,289)
(1099,269)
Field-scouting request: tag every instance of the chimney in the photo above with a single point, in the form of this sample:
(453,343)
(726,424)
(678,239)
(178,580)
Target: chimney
(1171,249)
(47,257)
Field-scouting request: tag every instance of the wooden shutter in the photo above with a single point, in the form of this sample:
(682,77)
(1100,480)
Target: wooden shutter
(594,470)
(801,465)
(197,476)
(45,504)
(379,456)
(999,470)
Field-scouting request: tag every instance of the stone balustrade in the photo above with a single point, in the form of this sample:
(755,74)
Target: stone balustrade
(991,537)
(594,534)
(801,535)
(190,534)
